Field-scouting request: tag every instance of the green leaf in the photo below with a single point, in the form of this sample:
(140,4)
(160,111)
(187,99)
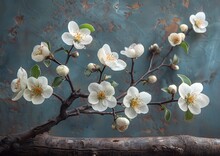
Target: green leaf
(184,79)
(35,71)
(57,81)
(175,59)
(49,45)
(167,115)
(87,72)
(188,115)
(165,90)
(47,63)
(185,46)
(114,84)
(88,26)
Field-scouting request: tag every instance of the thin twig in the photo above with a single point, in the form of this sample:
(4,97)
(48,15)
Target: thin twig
(101,73)
(163,102)
(58,97)
(70,83)
(132,72)
(69,54)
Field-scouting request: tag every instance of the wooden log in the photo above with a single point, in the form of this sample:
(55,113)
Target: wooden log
(170,145)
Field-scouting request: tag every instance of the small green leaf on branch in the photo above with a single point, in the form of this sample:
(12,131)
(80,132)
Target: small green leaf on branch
(184,79)
(47,63)
(165,90)
(35,71)
(87,72)
(88,26)
(188,115)
(114,84)
(57,81)
(167,114)
(49,45)
(185,46)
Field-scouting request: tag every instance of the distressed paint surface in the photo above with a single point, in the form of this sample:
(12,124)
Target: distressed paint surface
(25,23)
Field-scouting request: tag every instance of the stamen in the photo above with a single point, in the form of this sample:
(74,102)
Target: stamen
(101,95)
(135,102)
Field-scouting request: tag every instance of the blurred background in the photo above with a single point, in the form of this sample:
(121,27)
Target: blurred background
(25,23)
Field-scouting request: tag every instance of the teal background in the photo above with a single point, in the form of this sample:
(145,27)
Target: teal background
(25,23)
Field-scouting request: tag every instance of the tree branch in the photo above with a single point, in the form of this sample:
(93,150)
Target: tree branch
(132,72)
(101,73)
(169,145)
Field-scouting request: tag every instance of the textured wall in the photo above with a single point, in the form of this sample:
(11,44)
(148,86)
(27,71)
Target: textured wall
(25,23)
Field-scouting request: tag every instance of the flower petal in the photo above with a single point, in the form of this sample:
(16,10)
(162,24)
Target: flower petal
(85,31)
(31,82)
(107,49)
(142,109)
(101,55)
(145,97)
(37,100)
(22,73)
(184,89)
(130,113)
(44,44)
(18,96)
(182,104)
(86,40)
(127,100)
(115,55)
(111,101)
(93,98)
(73,27)
(194,109)
(99,107)
(199,30)
(117,65)
(43,81)
(94,87)
(196,88)
(67,38)
(15,86)
(47,92)
(200,15)
(36,57)
(202,100)
(27,95)
(108,88)
(192,19)
(78,45)
(133,91)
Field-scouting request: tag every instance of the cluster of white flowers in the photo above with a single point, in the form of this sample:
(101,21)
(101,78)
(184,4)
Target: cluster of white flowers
(32,89)
(101,95)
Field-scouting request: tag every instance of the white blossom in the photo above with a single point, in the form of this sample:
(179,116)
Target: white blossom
(191,98)
(133,51)
(121,124)
(176,38)
(152,79)
(184,28)
(110,59)
(101,96)
(62,70)
(37,90)
(172,89)
(40,52)
(198,22)
(136,102)
(19,84)
(77,37)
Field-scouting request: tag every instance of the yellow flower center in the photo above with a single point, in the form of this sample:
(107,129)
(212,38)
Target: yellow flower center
(176,39)
(78,37)
(198,23)
(110,57)
(190,99)
(39,51)
(37,90)
(135,102)
(101,95)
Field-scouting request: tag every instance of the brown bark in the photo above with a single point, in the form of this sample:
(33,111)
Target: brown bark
(171,145)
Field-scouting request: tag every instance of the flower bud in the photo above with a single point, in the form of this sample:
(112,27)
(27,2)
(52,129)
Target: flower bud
(121,124)
(62,70)
(75,54)
(152,79)
(184,28)
(93,67)
(154,48)
(175,67)
(172,89)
